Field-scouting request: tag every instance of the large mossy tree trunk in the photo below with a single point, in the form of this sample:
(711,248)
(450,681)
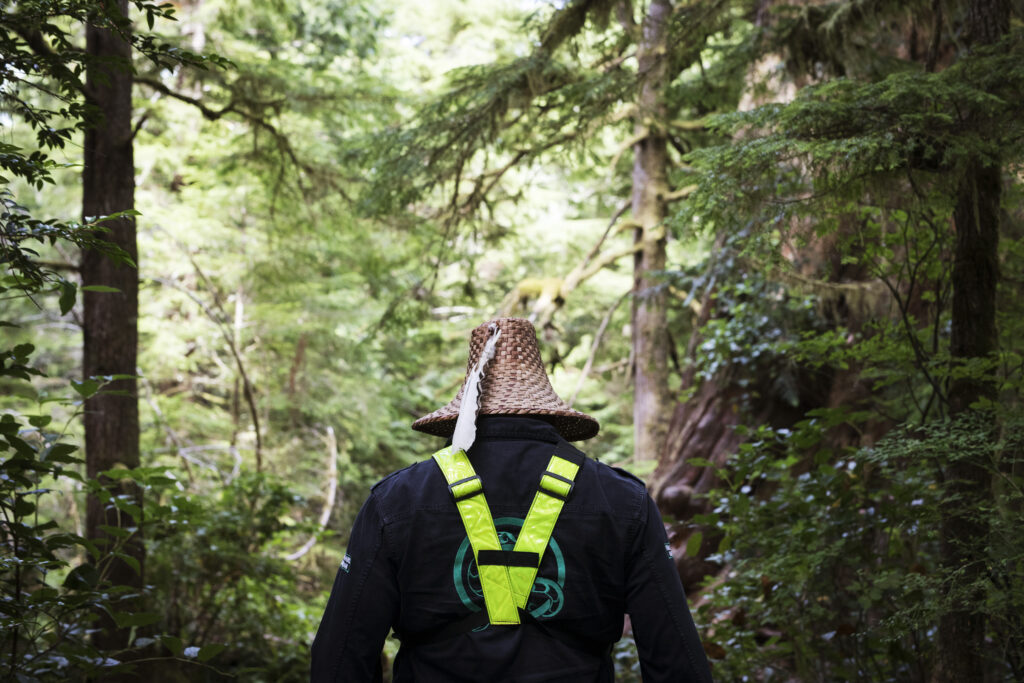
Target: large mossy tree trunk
(110,341)
(704,427)
(976,217)
(650,187)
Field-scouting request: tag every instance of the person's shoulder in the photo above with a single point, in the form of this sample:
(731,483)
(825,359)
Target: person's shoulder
(400,493)
(607,475)
(614,491)
(399,480)
(618,476)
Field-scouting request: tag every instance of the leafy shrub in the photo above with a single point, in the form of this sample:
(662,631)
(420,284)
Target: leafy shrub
(834,561)
(54,584)
(218,576)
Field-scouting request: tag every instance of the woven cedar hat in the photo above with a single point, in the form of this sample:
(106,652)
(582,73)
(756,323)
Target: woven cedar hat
(514,383)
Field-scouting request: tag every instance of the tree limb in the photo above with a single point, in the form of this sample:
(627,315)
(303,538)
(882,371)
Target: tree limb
(232,107)
(229,339)
(597,342)
(332,490)
(681,193)
(207,112)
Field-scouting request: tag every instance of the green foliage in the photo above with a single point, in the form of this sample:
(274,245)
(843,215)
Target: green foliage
(845,139)
(54,583)
(755,336)
(502,115)
(325,220)
(835,558)
(43,80)
(219,577)
(627,661)
(829,534)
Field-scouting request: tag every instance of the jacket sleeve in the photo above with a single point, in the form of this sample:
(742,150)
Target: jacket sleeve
(361,609)
(666,637)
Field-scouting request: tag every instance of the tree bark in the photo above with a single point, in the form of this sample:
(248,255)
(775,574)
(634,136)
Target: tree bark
(650,186)
(973,336)
(110,318)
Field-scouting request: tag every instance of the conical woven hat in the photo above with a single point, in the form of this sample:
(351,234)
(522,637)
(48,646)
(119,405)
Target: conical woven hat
(514,383)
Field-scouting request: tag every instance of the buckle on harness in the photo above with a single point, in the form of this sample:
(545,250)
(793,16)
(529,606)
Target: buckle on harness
(469,491)
(508,558)
(561,488)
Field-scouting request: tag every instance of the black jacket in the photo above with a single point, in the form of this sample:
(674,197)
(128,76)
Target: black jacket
(408,567)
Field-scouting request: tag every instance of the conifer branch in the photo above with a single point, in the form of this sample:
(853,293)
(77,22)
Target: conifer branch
(232,107)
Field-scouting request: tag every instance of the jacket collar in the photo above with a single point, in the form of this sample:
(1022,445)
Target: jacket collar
(504,426)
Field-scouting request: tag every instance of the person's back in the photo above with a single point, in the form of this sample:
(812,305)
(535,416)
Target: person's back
(411,566)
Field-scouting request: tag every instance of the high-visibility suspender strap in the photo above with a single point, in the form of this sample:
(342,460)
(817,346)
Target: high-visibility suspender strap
(506,577)
(467,491)
(555,486)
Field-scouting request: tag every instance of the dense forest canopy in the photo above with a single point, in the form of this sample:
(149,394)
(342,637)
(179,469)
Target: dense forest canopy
(777,249)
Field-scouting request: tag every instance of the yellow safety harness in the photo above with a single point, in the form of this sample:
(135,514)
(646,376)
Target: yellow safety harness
(506,576)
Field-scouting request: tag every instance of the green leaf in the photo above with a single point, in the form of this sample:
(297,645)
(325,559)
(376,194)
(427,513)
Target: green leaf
(60,452)
(23,351)
(23,507)
(115,531)
(82,577)
(39,421)
(693,543)
(67,296)
(86,388)
(20,445)
(99,288)
(174,644)
(134,564)
(210,651)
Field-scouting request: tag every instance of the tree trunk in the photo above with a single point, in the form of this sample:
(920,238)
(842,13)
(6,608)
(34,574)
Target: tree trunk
(973,335)
(650,185)
(110,318)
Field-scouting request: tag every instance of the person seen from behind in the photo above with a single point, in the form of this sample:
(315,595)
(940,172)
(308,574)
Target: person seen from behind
(508,556)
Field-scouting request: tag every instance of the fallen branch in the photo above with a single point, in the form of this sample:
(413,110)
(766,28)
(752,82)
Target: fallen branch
(332,490)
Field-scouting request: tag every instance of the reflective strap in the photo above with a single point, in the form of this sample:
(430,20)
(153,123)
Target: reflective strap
(555,486)
(467,490)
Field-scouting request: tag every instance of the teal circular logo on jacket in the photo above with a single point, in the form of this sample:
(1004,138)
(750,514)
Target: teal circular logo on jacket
(547,595)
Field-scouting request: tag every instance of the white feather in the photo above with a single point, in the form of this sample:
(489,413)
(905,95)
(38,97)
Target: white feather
(465,425)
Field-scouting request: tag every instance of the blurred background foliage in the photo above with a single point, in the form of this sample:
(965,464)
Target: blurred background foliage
(329,206)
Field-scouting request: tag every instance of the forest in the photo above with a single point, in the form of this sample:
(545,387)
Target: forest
(776,248)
